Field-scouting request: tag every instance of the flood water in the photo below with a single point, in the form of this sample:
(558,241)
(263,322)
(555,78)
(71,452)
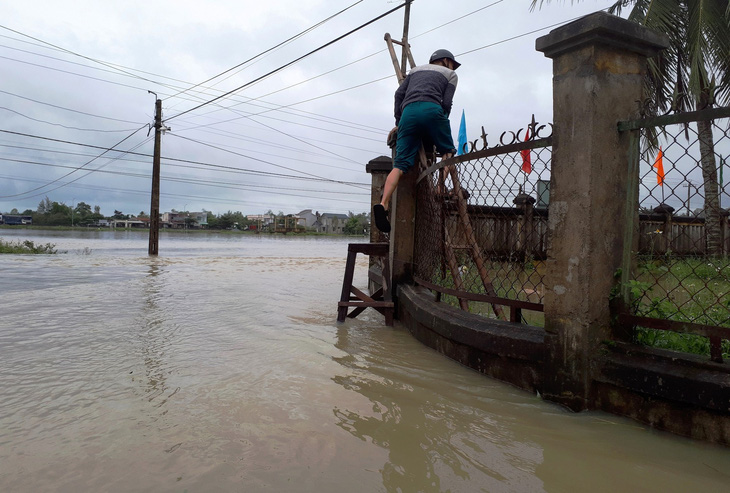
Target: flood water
(219,366)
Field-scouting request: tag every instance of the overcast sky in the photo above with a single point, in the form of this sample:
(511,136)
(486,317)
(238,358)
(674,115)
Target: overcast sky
(76,74)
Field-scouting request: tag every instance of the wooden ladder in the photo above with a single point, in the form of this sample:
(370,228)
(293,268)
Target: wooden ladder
(381,300)
(472,247)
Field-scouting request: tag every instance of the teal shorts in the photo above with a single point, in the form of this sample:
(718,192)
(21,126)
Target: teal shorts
(421,123)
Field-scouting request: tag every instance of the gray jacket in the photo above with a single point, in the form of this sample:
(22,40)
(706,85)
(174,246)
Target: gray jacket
(432,83)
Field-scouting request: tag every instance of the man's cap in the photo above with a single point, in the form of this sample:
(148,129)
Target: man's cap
(439,54)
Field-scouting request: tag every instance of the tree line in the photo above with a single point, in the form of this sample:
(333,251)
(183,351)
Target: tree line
(52,213)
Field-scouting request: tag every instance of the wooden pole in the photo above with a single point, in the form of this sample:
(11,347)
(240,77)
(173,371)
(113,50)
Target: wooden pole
(155,200)
(406,48)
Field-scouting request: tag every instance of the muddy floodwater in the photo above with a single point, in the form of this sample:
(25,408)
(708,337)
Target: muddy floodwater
(219,366)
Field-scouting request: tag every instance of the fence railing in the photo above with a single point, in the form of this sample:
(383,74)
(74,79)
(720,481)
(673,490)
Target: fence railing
(484,248)
(676,271)
(481,225)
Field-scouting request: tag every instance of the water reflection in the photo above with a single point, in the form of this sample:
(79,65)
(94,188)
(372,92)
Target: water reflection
(435,435)
(226,371)
(155,333)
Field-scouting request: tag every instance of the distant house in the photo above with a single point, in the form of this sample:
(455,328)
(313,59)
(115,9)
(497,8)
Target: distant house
(333,223)
(129,223)
(323,223)
(179,220)
(307,218)
(259,221)
(14,220)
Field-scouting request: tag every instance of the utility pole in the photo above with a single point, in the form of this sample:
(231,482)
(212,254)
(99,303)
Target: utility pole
(155,200)
(689,186)
(406,22)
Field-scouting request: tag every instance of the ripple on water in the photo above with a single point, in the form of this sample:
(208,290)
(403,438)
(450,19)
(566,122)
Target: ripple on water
(222,368)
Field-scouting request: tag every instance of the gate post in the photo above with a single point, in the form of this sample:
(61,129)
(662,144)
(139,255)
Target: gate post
(378,169)
(599,62)
(403,232)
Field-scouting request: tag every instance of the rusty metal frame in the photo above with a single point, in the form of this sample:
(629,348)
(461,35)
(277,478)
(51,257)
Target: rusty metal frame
(715,334)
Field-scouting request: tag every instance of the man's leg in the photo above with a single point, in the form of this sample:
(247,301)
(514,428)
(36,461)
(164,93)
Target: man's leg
(391,183)
(380,214)
(405,153)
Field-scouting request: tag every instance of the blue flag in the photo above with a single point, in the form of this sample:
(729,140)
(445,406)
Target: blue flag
(462,149)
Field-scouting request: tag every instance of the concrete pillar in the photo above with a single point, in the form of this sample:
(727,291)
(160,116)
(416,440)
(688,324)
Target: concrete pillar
(378,169)
(403,229)
(599,62)
(666,242)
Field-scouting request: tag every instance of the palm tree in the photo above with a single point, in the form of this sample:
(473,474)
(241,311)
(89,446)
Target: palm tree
(692,74)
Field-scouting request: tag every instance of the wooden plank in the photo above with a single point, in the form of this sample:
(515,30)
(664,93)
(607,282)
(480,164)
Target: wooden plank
(674,326)
(373,249)
(525,305)
(346,285)
(716,349)
(476,252)
(366,304)
(360,295)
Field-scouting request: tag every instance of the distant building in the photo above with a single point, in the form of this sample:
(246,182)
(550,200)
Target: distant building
(129,223)
(14,220)
(179,220)
(323,223)
(261,220)
(307,218)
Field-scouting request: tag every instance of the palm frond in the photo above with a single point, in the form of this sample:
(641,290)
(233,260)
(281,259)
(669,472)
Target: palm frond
(699,51)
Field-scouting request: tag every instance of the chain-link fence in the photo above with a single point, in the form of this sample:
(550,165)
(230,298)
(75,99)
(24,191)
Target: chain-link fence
(676,283)
(481,226)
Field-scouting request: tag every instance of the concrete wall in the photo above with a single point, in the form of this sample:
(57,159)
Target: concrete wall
(580,359)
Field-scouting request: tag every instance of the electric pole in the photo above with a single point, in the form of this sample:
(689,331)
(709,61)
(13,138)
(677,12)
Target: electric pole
(155,200)
(689,186)
(404,40)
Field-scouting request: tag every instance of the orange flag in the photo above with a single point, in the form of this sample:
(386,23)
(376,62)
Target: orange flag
(526,159)
(659,165)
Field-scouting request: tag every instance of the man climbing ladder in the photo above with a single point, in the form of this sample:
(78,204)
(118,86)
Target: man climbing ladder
(422,107)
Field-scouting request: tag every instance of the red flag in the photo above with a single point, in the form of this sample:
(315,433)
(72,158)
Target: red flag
(526,159)
(659,165)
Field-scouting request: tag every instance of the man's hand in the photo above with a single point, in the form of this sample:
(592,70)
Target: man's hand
(392,137)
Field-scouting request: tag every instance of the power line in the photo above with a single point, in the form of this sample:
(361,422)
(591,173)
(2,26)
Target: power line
(124,72)
(61,125)
(289,63)
(307,142)
(86,164)
(296,36)
(68,109)
(263,161)
(519,36)
(127,73)
(75,170)
(188,161)
(77,54)
(180,179)
(457,19)
(361,59)
(198,98)
(46,67)
(132,87)
(146,193)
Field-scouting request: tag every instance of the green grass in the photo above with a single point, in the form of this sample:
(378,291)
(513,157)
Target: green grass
(511,280)
(694,290)
(26,246)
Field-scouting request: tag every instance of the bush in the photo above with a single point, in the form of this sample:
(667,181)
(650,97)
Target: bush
(26,246)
